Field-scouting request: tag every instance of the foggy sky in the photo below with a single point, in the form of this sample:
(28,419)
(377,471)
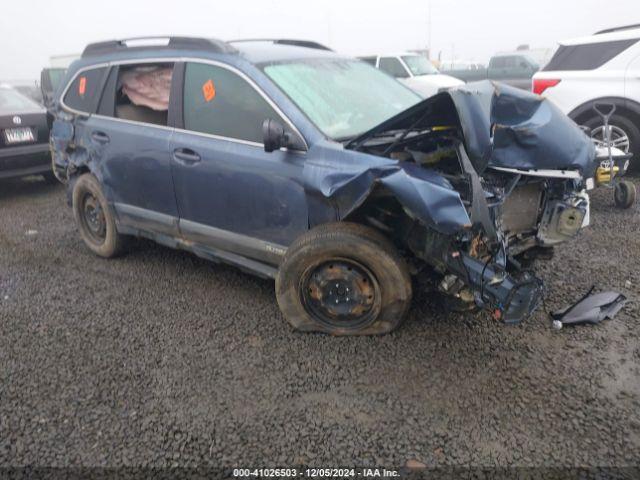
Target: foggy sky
(33,30)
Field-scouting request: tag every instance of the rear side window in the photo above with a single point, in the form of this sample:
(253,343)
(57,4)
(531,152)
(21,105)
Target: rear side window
(84,92)
(588,56)
(393,67)
(220,102)
(138,93)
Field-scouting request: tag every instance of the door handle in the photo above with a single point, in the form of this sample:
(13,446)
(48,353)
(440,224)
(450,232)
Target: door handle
(99,137)
(186,156)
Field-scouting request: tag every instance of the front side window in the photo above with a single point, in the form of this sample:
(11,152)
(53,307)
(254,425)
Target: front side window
(342,97)
(220,102)
(84,92)
(393,67)
(419,65)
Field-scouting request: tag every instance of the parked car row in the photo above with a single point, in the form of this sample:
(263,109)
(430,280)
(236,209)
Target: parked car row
(515,69)
(24,138)
(599,69)
(415,71)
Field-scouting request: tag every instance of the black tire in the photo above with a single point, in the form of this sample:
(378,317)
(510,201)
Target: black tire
(628,127)
(624,194)
(324,263)
(50,178)
(95,219)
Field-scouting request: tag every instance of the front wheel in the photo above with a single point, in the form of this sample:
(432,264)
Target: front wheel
(343,279)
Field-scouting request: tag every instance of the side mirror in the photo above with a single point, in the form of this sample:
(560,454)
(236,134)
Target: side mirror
(273,135)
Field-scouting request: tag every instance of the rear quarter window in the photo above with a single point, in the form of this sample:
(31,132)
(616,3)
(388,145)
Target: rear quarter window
(84,92)
(588,56)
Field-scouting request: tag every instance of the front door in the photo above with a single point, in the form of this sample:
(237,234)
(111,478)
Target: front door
(231,194)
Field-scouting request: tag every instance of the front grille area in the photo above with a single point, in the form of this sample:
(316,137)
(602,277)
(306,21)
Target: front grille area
(521,209)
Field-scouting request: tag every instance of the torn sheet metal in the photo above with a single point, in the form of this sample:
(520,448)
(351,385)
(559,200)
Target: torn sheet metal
(591,308)
(502,127)
(426,194)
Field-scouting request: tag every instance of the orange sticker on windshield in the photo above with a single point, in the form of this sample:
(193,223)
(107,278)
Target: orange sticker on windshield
(82,87)
(209,90)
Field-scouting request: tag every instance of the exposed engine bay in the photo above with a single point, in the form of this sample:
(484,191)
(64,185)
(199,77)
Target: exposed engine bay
(515,213)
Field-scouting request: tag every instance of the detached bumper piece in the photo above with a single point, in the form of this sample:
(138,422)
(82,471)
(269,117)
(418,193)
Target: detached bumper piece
(591,308)
(510,299)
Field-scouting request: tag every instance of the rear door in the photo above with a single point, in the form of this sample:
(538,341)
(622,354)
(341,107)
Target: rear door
(231,194)
(129,144)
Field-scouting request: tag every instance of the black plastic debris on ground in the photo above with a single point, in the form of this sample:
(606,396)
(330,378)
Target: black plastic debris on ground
(591,308)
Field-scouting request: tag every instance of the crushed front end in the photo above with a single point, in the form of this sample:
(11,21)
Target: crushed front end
(485,179)
(514,218)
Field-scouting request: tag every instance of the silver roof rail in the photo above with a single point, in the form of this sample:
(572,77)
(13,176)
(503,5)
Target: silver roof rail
(168,42)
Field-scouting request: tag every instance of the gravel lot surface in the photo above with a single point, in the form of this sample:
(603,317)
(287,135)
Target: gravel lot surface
(160,358)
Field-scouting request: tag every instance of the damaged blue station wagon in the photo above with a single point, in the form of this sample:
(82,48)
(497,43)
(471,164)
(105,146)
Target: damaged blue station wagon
(296,163)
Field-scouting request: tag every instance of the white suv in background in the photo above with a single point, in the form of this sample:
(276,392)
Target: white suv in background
(415,71)
(600,69)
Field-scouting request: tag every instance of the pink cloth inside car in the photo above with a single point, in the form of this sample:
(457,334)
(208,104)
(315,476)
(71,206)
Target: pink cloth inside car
(148,86)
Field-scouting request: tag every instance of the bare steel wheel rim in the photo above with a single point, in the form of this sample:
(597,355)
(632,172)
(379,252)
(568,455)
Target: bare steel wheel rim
(619,138)
(93,219)
(341,293)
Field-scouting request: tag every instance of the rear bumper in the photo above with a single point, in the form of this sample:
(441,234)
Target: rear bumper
(25,160)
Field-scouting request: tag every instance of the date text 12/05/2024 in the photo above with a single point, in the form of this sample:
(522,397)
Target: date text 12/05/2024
(315,472)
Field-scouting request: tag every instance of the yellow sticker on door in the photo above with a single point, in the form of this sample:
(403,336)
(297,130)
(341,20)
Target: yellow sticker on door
(209,90)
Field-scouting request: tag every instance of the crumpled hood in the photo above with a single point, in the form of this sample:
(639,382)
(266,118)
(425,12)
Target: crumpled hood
(502,126)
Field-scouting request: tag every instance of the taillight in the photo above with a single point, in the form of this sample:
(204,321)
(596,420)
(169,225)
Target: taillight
(541,84)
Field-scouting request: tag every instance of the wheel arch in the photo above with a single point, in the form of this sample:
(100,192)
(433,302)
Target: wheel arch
(624,107)
(72,178)
(382,211)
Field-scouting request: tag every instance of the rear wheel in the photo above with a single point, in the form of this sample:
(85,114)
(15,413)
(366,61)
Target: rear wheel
(343,279)
(95,219)
(625,136)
